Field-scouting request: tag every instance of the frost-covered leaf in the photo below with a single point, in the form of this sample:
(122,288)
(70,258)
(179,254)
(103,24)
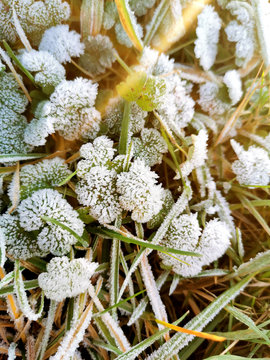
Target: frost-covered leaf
(98,54)
(50,237)
(65,278)
(242,31)
(45,174)
(139,191)
(2,247)
(209,24)
(253,166)
(34,17)
(140,7)
(167,203)
(62,43)
(97,190)
(150,147)
(49,72)
(233,82)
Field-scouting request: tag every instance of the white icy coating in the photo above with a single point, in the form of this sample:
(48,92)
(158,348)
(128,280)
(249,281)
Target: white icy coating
(150,147)
(233,82)
(209,100)
(139,191)
(49,72)
(62,43)
(253,166)
(209,24)
(97,190)
(66,278)
(51,237)
(242,31)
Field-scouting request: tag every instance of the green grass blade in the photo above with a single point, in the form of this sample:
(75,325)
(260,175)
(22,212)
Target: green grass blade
(28,285)
(4,158)
(134,240)
(179,340)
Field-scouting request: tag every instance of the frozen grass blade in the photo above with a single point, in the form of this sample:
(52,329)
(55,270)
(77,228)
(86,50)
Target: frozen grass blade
(178,341)
(6,158)
(91,17)
(21,295)
(129,23)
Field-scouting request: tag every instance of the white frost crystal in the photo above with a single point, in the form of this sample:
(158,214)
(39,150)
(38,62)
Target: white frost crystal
(45,174)
(62,43)
(34,17)
(253,166)
(51,237)
(98,153)
(97,190)
(37,131)
(19,243)
(185,233)
(242,31)
(209,100)
(214,241)
(233,82)
(139,191)
(49,72)
(65,278)
(150,147)
(209,24)
(71,109)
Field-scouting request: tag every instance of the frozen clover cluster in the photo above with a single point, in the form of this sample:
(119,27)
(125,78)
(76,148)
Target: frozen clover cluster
(27,233)
(107,188)
(186,234)
(65,278)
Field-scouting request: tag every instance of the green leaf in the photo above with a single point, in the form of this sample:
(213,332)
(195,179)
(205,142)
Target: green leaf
(231,357)
(134,240)
(123,142)
(132,87)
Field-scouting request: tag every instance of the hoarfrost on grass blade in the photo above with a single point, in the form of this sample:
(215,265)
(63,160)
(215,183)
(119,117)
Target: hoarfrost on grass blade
(179,340)
(62,43)
(66,278)
(209,24)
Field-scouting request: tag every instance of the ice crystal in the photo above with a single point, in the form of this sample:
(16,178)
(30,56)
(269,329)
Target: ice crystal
(150,147)
(97,190)
(167,203)
(37,131)
(51,237)
(45,174)
(154,63)
(98,55)
(209,24)
(49,72)
(65,278)
(210,101)
(62,43)
(177,106)
(139,192)
(34,17)
(12,127)
(11,96)
(19,243)
(183,233)
(253,166)
(214,241)
(242,31)
(70,109)
(233,82)
(114,113)
(140,7)
(98,153)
